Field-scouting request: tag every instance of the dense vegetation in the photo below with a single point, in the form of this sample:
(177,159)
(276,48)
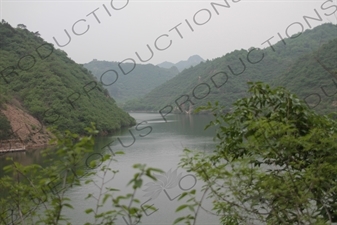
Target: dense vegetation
(275,162)
(140,81)
(5,127)
(313,78)
(51,86)
(224,79)
(37,194)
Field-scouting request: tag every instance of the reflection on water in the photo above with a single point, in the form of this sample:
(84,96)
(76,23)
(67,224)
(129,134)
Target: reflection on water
(153,142)
(25,158)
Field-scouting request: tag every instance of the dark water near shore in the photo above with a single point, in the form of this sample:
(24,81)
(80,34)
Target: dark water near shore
(160,148)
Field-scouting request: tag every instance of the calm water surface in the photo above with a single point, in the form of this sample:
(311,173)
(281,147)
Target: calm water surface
(161,148)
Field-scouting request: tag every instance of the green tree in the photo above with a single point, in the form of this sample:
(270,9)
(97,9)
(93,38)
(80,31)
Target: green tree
(5,127)
(36,194)
(51,86)
(275,162)
(21,26)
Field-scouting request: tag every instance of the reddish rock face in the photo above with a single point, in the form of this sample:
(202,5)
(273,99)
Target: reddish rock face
(28,132)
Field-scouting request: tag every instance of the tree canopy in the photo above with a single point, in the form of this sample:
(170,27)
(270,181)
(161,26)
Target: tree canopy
(51,86)
(275,161)
(224,79)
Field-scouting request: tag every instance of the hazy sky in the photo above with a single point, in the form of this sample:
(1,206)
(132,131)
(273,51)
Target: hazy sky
(116,30)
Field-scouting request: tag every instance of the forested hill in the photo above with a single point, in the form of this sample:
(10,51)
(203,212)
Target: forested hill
(51,87)
(313,78)
(225,79)
(139,79)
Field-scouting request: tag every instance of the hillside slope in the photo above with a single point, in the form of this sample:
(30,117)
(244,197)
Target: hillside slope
(138,81)
(224,79)
(313,78)
(25,130)
(51,87)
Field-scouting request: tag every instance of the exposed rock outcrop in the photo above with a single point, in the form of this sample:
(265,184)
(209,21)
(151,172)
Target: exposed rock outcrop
(28,132)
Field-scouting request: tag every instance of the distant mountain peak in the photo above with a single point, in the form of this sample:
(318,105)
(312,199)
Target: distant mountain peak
(183,64)
(195,58)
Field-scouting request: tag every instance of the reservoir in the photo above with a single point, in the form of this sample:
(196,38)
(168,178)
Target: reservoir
(157,144)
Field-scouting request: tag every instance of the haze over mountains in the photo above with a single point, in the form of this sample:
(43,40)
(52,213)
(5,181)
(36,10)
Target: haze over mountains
(138,80)
(183,64)
(291,62)
(44,85)
(126,81)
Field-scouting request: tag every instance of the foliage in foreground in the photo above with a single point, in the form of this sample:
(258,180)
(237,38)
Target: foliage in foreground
(37,194)
(275,162)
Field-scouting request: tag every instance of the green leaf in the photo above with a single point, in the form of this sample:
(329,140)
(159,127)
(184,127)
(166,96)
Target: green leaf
(119,153)
(68,205)
(138,183)
(181,207)
(183,195)
(87,211)
(178,220)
